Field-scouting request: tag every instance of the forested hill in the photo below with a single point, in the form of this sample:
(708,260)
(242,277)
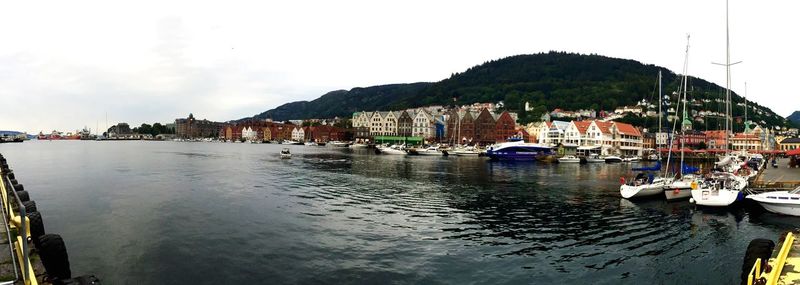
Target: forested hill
(546,80)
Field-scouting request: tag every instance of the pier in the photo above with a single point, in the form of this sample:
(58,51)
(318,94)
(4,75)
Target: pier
(783,178)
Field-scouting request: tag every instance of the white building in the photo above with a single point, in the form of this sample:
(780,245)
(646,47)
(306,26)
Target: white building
(389,123)
(360,119)
(376,124)
(424,125)
(554,133)
(249,133)
(298,134)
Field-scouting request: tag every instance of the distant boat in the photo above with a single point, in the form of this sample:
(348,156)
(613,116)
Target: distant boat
(519,150)
(339,144)
(396,150)
(286,154)
(594,158)
(434,150)
(569,159)
(646,183)
(310,144)
(467,151)
(612,159)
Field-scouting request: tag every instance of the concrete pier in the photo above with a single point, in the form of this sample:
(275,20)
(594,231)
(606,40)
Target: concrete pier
(782,177)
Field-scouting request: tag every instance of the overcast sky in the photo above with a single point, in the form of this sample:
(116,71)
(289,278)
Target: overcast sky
(65,64)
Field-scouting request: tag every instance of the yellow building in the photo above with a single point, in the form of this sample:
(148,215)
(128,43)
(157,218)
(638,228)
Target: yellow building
(789,144)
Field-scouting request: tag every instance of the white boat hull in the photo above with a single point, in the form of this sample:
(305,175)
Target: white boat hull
(780,202)
(430,152)
(392,151)
(466,153)
(569,160)
(677,194)
(630,191)
(715,198)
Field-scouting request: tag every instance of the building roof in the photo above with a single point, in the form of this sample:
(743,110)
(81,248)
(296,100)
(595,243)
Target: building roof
(582,126)
(605,127)
(790,140)
(627,129)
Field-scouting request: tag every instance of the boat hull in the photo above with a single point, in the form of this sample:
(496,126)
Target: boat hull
(630,191)
(677,194)
(779,202)
(715,198)
(392,151)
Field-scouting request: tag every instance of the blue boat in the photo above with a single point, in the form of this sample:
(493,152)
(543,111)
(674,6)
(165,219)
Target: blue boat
(519,150)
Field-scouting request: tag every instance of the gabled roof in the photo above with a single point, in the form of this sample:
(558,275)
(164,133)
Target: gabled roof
(559,125)
(605,127)
(627,129)
(582,126)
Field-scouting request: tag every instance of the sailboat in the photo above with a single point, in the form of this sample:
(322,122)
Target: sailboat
(644,184)
(681,187)
(723,188)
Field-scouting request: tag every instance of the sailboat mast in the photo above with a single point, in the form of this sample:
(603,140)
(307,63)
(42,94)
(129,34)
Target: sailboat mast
(685,89)
(659,101)
(745,104)
(728,122)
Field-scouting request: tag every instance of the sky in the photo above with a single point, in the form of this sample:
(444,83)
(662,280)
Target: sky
(69,64)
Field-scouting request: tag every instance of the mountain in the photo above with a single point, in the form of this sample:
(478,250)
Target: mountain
(547,80)
(794,118)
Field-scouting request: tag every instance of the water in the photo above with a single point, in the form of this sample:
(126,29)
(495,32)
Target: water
(211,213)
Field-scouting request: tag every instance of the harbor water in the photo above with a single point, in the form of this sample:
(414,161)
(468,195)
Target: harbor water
(221,213)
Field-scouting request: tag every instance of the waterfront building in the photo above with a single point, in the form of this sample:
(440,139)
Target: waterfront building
(405,123)
(466,130)
(691,139)
(248,133)
(424,125)
(505,127)
(376,124)
(192,128)
(361,124)
(745,141)
(485,127)
(324,133)
(554,133)
(715,140)
(389,123)
(298,134)
(788,144)
(627,138)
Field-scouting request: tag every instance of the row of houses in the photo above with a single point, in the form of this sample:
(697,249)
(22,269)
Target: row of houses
(592,136)
(466,125)
(273,131)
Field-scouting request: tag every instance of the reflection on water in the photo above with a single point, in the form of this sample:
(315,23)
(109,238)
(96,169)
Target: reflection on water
(205,213)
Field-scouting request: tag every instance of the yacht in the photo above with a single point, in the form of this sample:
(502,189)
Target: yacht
(779,202)
(594,158)
(646,183)
(519,150)
(394,149)
(721,190)
(612,159)
(569,159)
(433,150)
(286,154)
(466,151)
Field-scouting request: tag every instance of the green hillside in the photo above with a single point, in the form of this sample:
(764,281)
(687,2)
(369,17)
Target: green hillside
(547,80)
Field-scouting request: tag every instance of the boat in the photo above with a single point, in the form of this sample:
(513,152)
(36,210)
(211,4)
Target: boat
(569,159)
(433,150)
(286,154)
(681,188)
(358,145)
(721,190)
(594,158)
(779,202)
(466,151)
(519,150)
(310,144)
(339,144)
(291,142)
(644,184)
(394,149)
(631,159)
(612,159)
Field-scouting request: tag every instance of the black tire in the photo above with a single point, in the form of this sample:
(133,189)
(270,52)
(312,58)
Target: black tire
(30,206)
(19,187)
(23,196)
(54,256)
(37,227)
(14,181)
(758,248)
(12,176)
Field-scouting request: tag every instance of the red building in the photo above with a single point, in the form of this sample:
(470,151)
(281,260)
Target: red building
(505,127)
(485,128)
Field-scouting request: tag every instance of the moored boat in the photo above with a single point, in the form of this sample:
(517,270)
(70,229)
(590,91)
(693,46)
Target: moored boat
(286,154)
(612,159)
(519,150)
(779,202)
(569,159)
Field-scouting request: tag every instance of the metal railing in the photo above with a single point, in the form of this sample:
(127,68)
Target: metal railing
(778,262)
(19,220)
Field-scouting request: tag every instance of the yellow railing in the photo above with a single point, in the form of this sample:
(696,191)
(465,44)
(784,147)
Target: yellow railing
(777,264)
(19,222)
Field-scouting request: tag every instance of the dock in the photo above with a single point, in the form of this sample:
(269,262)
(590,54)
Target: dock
(782,177)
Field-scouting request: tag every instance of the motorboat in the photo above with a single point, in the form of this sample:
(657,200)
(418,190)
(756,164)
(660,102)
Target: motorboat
(519,150)
(779,202)
(644,184)
(339,144)
(466,151)
(594,158)
(291,142)
(310,144)
(286,154)
(394,149)
(612,159)
(358,145)
(569,159)
(433,150)
(631,159)
(721,190)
